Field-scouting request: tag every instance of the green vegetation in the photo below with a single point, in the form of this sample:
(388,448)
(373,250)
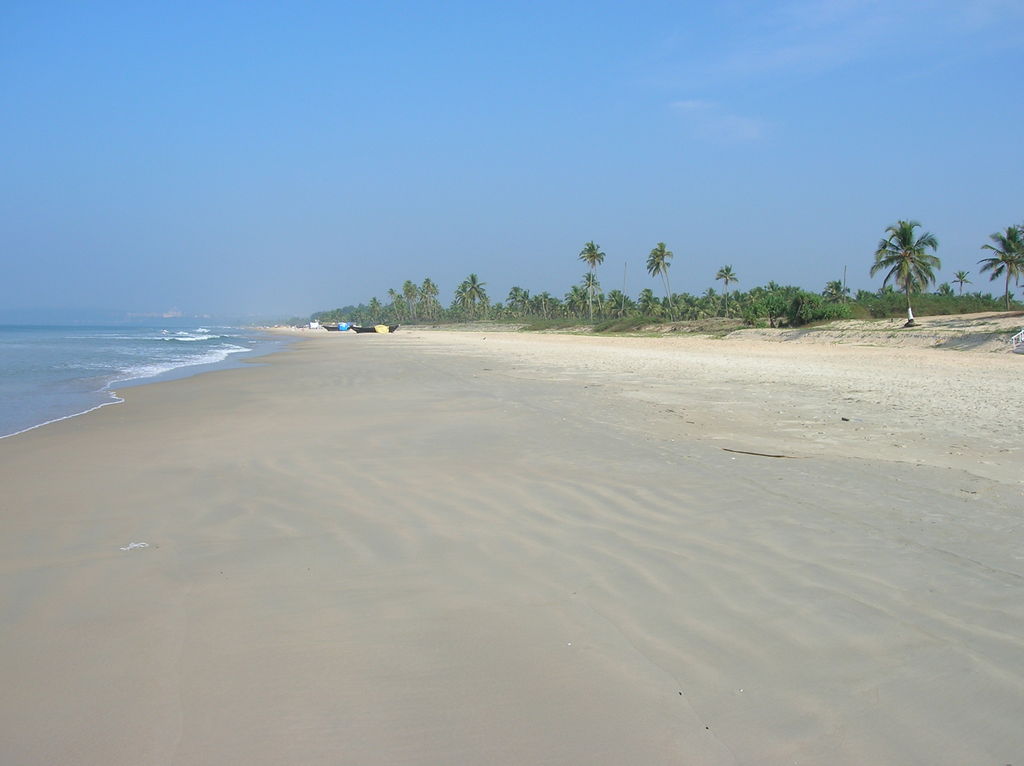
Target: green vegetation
(658,263)
(1008,258)
(903,255)
(905,260)
(726,275)
(593,256)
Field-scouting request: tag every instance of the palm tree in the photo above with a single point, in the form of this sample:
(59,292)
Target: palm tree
(657,265)
(411,294)
(395,306)
(470,293)
(428,297)
(575,300)
(835,291)
(619,304)
(518,300)
(543,302)
(649,305)
(961,279)
(727,275)
(906,260)
(591,253)
(1008,258)
(707,304)
(593,287)
(375,310)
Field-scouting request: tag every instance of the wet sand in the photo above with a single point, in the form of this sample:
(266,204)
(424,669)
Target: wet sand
(474,548)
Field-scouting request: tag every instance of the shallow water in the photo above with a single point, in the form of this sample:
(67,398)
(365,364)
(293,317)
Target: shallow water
(51,372)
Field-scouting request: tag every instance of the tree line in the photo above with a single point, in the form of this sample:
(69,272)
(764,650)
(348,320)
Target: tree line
(906,258)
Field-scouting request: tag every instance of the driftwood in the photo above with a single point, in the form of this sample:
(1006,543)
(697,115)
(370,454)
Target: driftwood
(759,454)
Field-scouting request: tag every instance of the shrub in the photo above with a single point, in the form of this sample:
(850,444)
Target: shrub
(805,307)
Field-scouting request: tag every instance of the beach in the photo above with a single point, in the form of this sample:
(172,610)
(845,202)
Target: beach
(479,547)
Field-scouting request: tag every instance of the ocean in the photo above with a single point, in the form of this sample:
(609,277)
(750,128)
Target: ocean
(49,373)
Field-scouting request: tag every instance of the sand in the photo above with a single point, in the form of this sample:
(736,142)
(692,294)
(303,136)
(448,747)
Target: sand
(440,548)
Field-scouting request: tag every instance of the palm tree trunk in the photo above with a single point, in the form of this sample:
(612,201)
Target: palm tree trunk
(668,296)
(1006,292)
(590,295)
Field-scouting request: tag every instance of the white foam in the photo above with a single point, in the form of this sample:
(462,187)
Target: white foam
(116,400)
(157,368)
(187,338)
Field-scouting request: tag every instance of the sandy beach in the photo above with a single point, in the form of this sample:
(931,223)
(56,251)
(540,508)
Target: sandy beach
(469,548)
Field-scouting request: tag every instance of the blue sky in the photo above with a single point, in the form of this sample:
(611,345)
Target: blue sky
(287,157)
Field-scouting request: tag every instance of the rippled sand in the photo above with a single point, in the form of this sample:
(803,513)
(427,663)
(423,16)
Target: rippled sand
(467,548)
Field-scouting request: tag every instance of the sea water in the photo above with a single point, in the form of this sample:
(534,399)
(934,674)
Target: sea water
(49,373)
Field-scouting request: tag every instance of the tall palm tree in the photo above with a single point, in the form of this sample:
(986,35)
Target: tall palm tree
(727,275)
(961,279)
(395,305)
(474,292)
(593,287)
(905,258)
(428,297)
(658,261)
(591,253)
(411,294)
(1008,258)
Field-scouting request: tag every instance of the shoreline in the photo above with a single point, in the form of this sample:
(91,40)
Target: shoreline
(438,547)
(273,342)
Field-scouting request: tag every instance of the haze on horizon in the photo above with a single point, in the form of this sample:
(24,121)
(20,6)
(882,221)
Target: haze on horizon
(264,158)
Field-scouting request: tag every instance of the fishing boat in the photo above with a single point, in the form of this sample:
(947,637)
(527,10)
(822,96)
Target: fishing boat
(340,327)
(379,328)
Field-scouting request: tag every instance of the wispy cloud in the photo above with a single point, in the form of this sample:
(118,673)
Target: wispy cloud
(809,37)
(710,121)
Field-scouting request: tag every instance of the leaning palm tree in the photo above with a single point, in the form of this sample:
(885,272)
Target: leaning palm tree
(658,262)
(961,279)
(727,275)
(591,253)
(905,259)
(1008,258)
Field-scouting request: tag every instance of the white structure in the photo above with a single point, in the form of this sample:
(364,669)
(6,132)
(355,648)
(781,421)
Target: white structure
(314,325)
(1018,342)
